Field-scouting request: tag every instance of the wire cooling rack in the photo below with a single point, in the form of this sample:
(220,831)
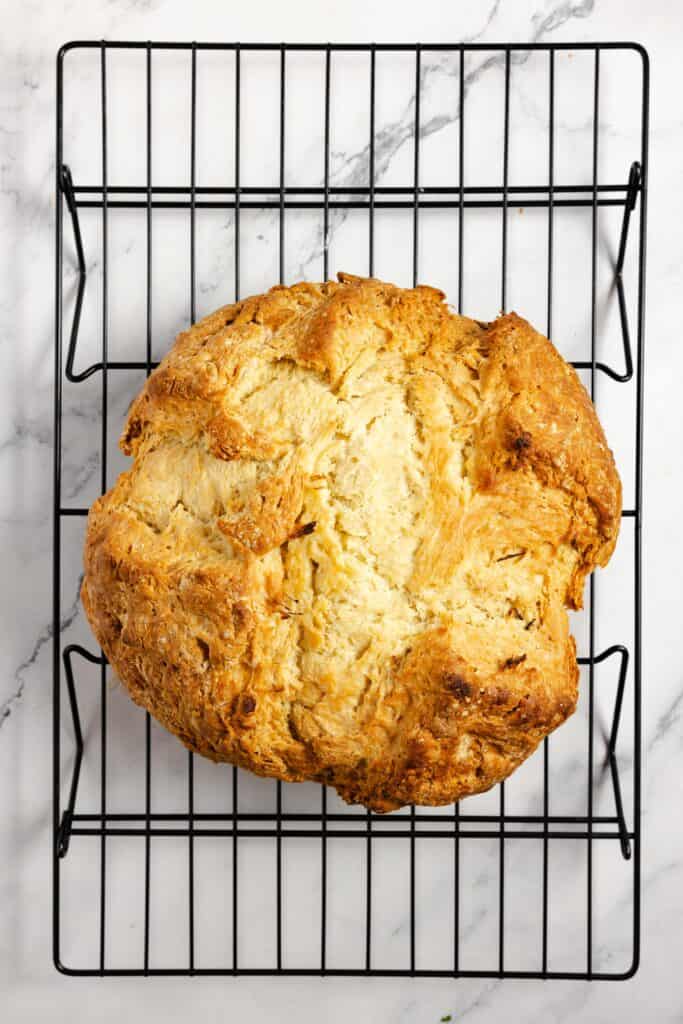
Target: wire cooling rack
(191,174)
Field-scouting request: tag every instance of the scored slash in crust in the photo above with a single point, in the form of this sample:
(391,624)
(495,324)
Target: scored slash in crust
(345,547)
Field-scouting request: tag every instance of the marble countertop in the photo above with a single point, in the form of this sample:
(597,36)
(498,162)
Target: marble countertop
(30,988)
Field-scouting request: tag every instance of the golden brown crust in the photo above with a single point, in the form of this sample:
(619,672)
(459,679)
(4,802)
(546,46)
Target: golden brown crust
(345,546)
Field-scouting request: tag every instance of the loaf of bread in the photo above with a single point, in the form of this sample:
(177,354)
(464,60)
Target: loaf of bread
(345,546)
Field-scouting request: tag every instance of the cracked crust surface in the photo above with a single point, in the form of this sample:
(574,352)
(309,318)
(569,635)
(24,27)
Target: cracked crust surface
(346,544)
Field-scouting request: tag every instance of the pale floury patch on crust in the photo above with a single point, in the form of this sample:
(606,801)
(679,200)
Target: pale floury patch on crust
(346,544)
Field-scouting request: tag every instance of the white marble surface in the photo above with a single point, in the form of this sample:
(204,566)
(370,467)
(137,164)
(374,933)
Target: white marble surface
(30,989)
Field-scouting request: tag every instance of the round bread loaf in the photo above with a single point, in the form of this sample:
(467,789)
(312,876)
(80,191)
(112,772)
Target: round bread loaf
(346,543)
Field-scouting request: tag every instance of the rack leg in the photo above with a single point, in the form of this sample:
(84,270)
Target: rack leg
(64,832)
(612,756)
(634,180)
(67,187)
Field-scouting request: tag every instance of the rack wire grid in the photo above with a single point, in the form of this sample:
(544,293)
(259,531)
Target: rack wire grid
(191,174)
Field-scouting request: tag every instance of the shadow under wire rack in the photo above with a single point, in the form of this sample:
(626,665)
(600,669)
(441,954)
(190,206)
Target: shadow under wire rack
(188,175)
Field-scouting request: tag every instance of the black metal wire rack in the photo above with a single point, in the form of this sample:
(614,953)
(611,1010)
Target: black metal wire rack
(308,838)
